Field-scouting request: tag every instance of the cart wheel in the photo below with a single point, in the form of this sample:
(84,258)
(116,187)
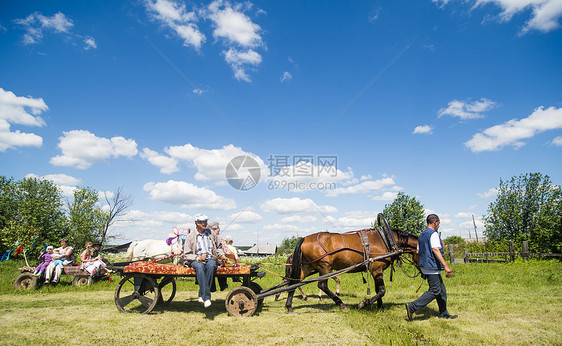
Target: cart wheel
(167,289)
(137,293)
(254,286)
(82,280)
(241,301)
(26,281)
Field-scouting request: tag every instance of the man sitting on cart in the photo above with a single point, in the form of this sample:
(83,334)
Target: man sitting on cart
(200,251)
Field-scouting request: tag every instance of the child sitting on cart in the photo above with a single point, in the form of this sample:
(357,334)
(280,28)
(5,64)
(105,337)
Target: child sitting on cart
(46,258)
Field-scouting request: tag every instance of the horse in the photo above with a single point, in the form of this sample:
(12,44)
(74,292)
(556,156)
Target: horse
(151,249)
(304,296)
(325,252)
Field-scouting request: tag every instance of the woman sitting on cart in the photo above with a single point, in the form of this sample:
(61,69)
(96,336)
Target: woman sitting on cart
(200,251)
(63,256)
(91,261)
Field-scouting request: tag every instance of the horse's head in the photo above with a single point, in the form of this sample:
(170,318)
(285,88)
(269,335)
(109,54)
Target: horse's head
(408,243)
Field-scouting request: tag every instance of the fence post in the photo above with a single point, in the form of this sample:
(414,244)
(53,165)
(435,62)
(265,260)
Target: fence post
(466,260)
(451,253)
(525,252)
(511,251)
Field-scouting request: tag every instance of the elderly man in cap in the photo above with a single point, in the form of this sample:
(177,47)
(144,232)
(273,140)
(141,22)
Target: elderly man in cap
(215,227)
(200,251)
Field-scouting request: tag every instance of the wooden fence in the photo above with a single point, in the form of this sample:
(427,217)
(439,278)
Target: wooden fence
(492,257)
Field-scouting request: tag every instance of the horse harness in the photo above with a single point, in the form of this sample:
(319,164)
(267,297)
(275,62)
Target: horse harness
(390,243)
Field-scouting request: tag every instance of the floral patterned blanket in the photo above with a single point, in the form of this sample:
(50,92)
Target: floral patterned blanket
(172,269)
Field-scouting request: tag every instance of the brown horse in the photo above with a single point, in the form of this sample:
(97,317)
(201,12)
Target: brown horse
(304,296)
(325,252)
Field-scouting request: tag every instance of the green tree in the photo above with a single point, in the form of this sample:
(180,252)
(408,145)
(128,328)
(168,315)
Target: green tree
(288,245)
(86,219)
(528,207)
(8,201)
(405,213)
(38,204)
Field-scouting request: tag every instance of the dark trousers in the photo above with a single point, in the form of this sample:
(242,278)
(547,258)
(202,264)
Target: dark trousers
(205,272)
(435,291)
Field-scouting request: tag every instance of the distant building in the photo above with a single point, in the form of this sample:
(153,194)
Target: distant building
(261,250)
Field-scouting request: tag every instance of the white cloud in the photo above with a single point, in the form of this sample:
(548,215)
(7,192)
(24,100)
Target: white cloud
(239,33)
(299,219)
(239,61)
(210,164)
(23,111)
(463,215)
(167,164)
(187,195)
(423,129)
(295,205)
(363,187)
(81,149)
(36,23)
(488,194)
(246,216)
(198,91)
(545,13)
(90,43)
(235,30)
(286,76)
(140,225)
(175,16)
(66,183)
(467,110)
(293,229)
(386,196)
(557,141)
(514,131)
(233,25)
(348,223)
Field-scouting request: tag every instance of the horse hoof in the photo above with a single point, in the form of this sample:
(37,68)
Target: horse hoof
(289,310)
(362,304)
(343,308)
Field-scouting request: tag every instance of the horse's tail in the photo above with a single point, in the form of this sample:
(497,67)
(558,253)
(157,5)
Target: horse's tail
(129,254)
(295,274)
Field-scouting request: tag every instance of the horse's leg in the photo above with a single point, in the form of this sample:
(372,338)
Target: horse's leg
(323,285)
(337,280)
(304,296)
(380,291)
(324,269)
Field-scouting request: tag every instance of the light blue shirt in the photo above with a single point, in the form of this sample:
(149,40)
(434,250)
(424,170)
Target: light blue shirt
(204,245)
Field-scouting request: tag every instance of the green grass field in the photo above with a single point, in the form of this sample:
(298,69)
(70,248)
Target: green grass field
(515,303)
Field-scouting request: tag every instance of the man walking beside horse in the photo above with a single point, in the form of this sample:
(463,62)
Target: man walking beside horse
(432,262)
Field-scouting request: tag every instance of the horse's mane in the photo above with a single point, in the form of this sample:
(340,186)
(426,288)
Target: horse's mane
(402,233)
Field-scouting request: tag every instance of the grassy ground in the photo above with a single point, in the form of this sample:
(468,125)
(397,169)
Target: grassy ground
(516,303)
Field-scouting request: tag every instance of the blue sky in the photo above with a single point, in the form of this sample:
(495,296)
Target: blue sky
(341,105)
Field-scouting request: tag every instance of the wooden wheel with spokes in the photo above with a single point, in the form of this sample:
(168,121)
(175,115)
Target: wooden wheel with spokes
(167,288)
(137,293)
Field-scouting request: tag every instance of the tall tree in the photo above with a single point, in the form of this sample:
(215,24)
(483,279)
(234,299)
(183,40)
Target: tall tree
(405,213)
(117,205)
(35,203)
(85,217)
(527,207)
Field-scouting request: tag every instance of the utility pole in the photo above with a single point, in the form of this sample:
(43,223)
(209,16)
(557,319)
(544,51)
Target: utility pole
(475,231)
